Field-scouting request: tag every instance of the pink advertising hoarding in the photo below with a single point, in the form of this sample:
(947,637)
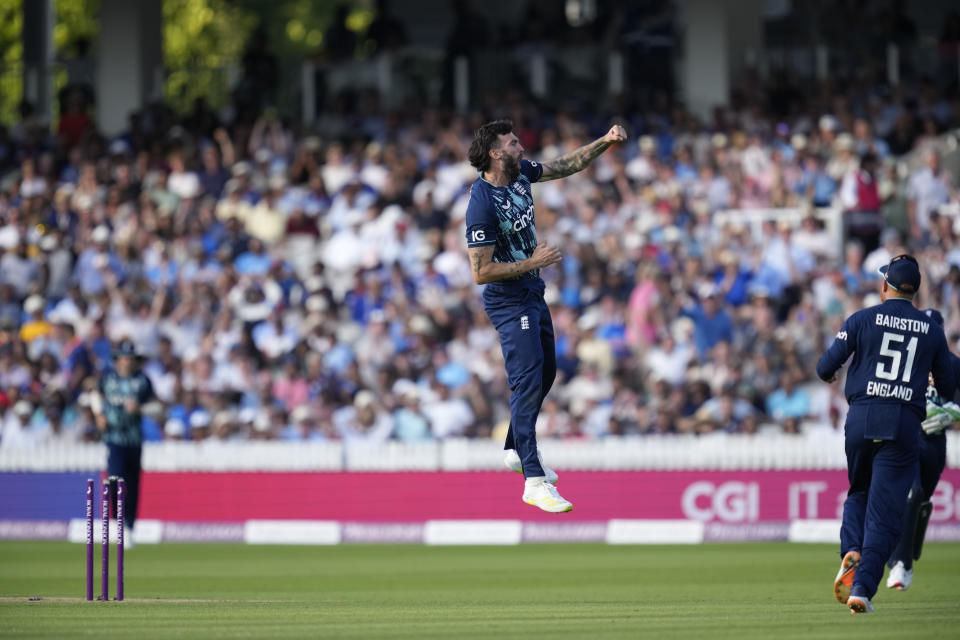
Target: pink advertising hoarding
(718,498)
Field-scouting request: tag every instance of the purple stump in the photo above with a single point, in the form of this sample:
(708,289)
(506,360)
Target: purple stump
(90,539)
(105,542)
(121,495)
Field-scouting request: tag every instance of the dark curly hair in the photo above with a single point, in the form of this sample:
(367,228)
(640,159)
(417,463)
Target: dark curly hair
(484,139)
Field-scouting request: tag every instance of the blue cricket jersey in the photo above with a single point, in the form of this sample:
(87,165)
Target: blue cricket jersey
(934,395)
(503,217)
(124,427)
(895,347)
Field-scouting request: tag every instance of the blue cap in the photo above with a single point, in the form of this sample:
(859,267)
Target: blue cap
(125,348)
(935,315)
(902,273)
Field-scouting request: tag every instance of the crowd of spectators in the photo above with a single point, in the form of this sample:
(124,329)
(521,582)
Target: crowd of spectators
(311,284)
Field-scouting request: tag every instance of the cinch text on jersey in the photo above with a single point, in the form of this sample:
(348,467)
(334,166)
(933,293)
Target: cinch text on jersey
(523,220)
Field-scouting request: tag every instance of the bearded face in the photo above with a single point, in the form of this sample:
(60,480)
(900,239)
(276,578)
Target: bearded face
(509,157)
(511,166)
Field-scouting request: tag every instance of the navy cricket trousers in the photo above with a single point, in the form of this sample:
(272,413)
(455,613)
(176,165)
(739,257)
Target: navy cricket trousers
(881,446)
(522,319)
(124,462)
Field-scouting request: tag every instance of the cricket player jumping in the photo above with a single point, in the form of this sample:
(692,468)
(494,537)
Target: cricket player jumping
(505,256)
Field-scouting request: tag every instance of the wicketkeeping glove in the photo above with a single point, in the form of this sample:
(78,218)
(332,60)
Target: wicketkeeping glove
(939,417)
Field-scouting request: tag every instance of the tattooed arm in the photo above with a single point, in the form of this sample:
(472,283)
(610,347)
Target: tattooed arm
(580,159)
(485,270)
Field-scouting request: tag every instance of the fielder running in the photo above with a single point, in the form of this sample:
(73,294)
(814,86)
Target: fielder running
(505,256)
(126,398)
(895,347)
(932,452)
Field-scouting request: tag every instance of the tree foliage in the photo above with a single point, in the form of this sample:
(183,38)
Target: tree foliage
(203,43)
(76,20)
(296,27)
(11,59)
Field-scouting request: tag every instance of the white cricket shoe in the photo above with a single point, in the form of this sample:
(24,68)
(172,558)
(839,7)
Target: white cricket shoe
(900,577)
(859,604)
(511,460)
(541,494)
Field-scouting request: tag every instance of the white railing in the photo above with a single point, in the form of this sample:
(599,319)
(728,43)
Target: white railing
(817,449)
(820,448)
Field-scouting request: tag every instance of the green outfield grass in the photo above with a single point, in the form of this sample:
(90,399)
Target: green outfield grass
(549,591)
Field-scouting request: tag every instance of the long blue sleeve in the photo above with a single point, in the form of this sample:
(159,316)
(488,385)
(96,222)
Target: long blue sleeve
(955,364)
(843,346)
(944,378)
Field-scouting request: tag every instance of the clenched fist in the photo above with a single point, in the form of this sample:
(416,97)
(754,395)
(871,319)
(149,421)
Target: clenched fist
(544,256)
(615,135)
